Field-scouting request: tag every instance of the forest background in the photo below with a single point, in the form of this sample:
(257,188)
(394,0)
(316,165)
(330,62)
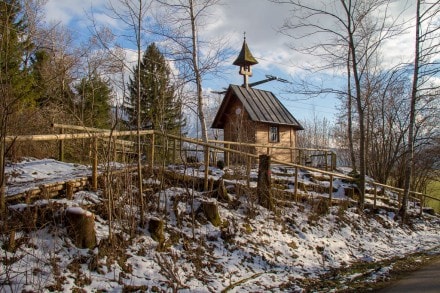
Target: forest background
(377,63)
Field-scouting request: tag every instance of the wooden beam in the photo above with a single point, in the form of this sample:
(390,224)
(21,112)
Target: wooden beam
(65,136)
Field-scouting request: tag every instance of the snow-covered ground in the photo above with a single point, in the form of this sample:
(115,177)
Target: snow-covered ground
(30,173)
(253,250)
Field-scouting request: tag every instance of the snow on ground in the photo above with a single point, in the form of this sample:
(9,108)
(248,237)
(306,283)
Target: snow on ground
(253,250)
(31,173)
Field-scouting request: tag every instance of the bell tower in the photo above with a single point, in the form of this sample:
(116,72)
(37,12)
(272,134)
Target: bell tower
(245,60)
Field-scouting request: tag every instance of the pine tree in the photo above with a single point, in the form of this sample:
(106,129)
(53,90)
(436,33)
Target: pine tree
(15,80)
(94,106)
(52,80)
(160,109)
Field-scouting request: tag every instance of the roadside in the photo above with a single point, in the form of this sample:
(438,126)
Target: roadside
(426,279)
(381,276)
(388,274)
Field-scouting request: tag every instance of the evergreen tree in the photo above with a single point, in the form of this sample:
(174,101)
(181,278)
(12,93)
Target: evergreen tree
(52,80)
(15,80)
(94,108)
(160,109)
(42,85)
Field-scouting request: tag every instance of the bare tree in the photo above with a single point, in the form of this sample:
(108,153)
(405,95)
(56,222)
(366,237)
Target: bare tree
(344,34)
(387,123)
(181,27)
(133,18)
(317,133)
(426,66)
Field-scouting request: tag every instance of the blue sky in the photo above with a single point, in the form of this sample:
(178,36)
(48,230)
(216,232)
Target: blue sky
(260,19)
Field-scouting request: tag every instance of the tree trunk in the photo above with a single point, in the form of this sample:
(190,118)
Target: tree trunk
(360,108)
(198,77)
(138,126)
(349,115)
(409,153)
(2,177)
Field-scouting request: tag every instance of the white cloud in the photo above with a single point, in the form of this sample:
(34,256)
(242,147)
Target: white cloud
(260,19)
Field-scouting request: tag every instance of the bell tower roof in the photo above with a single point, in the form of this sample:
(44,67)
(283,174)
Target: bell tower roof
(245,60)
(245,57)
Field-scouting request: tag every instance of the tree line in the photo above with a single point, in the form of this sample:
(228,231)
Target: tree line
(388,122)
(50,73)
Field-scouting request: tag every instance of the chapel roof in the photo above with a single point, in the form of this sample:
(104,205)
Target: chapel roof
(261,106)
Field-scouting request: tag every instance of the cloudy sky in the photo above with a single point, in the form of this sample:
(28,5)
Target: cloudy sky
(261,20)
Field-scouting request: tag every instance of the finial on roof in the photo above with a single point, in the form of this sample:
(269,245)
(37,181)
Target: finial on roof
(245,60)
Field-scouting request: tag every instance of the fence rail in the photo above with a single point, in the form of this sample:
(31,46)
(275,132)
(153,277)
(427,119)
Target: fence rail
(95,133)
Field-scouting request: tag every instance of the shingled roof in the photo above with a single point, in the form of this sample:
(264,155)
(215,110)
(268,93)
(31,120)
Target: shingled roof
(262,106)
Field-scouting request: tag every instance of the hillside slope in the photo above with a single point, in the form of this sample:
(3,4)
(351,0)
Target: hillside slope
(251,249)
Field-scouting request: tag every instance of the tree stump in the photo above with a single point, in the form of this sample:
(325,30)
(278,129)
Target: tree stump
(221,192)
(81,227)
(155,227)
(263,184)
(210,210)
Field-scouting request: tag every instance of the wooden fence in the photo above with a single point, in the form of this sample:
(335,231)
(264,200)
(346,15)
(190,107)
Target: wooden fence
(224,146)
(301,156)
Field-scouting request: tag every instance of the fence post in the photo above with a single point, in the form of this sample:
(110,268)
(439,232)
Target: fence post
(292,156)
(95,165)
(248,170)
(330,191)
(227,153)
(333,161)
(152,152)
(375,196)
(295,194)
(263,185)
(422,203)
(174,151)
(61,147)
(206,156)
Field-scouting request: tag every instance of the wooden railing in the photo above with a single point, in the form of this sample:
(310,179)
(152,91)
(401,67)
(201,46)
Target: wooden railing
(298,155)
(421,196)
(95,134)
